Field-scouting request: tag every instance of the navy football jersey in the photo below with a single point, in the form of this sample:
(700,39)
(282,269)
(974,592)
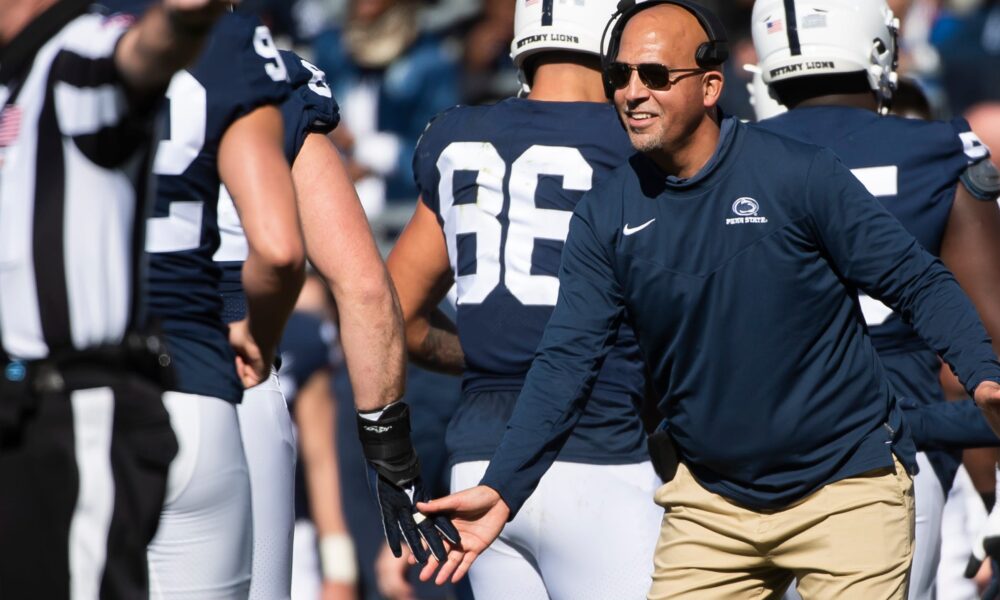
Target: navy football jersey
(311,108)
(239,70)
(503,181)
(912,167)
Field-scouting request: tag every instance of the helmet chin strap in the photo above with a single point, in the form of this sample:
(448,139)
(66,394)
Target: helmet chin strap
(522,78)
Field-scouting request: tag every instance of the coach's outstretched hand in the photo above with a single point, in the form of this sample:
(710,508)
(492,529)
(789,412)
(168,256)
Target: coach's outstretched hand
(987,397)
(479,514)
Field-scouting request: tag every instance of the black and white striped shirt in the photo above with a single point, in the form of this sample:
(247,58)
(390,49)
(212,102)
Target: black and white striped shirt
(73,162)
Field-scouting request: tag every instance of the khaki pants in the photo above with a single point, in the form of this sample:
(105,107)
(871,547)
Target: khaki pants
(851,539)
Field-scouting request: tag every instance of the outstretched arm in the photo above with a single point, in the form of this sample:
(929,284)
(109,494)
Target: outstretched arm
(340,246)
(578,336)
(871,249)
(422,275)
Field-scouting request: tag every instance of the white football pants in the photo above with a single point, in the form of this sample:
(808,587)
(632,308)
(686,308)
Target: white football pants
(202,548)
(929,497)
(269,445)
(587,533)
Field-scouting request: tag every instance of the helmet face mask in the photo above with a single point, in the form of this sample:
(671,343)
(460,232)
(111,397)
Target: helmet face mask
(798,38)
(566,25)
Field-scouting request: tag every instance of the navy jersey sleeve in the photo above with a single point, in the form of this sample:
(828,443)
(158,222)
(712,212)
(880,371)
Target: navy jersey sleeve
(870,248)
(311,108)
(578,337)
(241,67)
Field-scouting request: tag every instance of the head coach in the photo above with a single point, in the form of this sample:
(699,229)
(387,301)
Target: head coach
(737,255)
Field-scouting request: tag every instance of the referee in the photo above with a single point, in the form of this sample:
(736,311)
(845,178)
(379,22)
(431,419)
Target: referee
(85,442)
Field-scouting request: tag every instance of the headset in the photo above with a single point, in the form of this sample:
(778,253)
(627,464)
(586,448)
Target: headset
(710,55)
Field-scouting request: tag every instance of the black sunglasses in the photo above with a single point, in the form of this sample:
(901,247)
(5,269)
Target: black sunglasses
(652,75)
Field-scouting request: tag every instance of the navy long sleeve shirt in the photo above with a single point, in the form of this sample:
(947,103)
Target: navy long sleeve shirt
(741,284)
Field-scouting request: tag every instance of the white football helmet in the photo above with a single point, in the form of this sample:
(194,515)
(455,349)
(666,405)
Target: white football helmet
(797,38)
(541,25)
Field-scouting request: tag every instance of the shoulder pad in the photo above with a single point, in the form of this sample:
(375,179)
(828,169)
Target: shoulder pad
(982,179)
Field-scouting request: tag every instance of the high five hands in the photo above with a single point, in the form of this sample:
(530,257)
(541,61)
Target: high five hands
(479,514)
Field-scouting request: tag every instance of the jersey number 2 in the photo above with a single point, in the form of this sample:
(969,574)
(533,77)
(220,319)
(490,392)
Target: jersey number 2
(180,230)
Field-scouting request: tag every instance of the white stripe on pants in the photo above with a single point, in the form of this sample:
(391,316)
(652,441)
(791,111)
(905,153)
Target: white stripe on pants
(93,423)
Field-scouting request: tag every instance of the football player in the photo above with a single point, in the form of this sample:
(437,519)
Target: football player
(833,64)
(498,185)
(223,126)
(349,260)
(265,425)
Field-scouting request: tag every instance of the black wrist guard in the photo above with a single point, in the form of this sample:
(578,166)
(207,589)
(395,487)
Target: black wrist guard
(387,446)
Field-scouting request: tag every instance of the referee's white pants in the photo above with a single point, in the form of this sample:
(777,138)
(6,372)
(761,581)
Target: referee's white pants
(587,533)
(929,499)
(202,549)
(269,444)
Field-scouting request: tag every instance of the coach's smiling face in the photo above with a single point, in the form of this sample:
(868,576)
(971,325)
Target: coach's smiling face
(668,124)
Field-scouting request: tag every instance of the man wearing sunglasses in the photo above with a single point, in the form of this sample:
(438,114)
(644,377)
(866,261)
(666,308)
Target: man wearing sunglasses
(736,255)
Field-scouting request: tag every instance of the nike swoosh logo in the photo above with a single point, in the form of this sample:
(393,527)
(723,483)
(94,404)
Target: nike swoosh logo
(630,230)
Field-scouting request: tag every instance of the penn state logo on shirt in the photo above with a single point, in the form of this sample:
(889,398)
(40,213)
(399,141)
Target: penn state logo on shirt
(746,211)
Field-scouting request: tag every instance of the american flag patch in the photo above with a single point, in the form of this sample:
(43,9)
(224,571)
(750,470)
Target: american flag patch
(10,125)
(775,26)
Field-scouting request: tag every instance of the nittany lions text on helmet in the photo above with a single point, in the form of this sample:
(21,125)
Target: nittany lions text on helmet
(823,37)
(551,25)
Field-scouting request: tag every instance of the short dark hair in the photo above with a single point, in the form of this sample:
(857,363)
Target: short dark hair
(792,92)
(558,56)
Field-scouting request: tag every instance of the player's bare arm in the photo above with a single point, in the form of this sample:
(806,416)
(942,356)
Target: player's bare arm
(340,246)
(971,249)
(422,275)
(167,39)
(254,169)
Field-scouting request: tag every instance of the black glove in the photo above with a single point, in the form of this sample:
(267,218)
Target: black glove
(394,476)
